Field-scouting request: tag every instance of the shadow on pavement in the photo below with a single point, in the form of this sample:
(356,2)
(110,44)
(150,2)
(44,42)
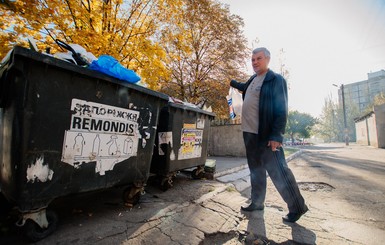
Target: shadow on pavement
(256,232)
(98,217)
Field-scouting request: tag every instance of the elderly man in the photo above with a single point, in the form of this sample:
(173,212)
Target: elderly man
(264,116)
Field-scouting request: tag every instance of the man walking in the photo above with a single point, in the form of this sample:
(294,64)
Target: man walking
(264,116)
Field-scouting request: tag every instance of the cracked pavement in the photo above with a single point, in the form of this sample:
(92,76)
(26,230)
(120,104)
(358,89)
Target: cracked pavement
(350,211)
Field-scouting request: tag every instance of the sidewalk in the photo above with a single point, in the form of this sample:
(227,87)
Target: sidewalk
(228,165)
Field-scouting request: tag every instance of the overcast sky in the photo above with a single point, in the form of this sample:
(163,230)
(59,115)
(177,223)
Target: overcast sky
(325,42)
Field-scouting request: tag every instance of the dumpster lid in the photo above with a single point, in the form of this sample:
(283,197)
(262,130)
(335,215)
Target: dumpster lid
(50,60)
(185,106)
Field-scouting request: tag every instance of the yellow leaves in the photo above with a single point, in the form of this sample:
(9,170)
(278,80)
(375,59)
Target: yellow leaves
(201,54)
(174,45)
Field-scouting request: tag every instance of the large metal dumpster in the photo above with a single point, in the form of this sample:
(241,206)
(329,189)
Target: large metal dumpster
(67,129)
(182,142)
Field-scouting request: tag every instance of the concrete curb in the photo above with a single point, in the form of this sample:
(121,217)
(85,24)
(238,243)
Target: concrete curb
(294,155)
(243,166)
(230,171)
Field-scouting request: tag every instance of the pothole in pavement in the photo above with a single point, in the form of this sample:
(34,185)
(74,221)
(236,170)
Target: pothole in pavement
(221,238)
(315,186)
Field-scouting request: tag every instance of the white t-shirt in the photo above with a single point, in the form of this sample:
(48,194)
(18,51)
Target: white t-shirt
(250,107)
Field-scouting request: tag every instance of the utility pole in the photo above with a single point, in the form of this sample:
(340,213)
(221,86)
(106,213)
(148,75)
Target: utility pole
(346,131)
(344,109)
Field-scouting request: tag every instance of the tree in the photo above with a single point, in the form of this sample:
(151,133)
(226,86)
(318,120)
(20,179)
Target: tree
(352,112)
(205,47)
(329,123)
(379,99)
(299,124)
(188,49)
(122,29)
(282,65)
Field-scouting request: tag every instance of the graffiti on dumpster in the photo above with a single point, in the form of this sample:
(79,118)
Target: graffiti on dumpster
(191,143)
(38,171)
(100,133)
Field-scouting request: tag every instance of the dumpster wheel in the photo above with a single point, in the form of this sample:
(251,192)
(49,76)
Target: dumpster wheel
(34,232)
(166,183)
(198,173)
(131,195)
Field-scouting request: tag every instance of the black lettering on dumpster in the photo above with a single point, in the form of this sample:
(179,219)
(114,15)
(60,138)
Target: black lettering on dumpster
(95,110)
(120,114)
(132,117)
(96,125)
(131,126)
(106,126)
(111,111)
(85,124)
(102,111)
(76,123)
(115,126)
(99,125)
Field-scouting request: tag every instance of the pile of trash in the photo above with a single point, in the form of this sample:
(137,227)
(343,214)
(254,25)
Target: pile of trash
(78,55)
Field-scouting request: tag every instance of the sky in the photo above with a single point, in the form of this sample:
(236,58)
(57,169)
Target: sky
(325,42)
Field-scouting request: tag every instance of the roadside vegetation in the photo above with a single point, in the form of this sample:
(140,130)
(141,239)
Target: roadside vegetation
(290,150)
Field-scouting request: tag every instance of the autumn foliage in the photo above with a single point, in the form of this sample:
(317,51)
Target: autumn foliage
(185,48)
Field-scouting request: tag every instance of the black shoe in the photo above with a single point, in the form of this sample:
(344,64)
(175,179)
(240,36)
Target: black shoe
(253,207)
(293,217)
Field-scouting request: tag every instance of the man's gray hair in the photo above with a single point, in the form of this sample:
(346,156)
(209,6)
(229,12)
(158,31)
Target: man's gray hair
(262,49)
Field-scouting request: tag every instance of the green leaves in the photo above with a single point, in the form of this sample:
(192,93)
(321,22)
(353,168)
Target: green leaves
(299,124)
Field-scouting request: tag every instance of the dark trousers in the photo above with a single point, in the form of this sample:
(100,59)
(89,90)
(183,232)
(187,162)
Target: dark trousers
(261,159)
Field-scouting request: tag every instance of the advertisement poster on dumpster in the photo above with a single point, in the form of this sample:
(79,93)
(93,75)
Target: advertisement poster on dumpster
(100,133)
(191,144)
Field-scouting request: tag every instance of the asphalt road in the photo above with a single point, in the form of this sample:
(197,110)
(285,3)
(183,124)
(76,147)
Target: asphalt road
(344,187)
(357,175)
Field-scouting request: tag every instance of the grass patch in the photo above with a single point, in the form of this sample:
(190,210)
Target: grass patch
(289,151)
(231,189)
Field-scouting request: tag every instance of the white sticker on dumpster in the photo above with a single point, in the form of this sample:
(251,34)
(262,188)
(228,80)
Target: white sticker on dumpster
(165,140)
(200,123)
(100,133)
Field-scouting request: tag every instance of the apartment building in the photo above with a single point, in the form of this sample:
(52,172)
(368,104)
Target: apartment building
(362,93)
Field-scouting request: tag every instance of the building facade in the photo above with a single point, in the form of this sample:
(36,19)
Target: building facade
(370,128)
(362,93)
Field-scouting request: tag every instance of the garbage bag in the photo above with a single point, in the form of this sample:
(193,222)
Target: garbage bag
(235,101)
(77,57)
(110,66)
